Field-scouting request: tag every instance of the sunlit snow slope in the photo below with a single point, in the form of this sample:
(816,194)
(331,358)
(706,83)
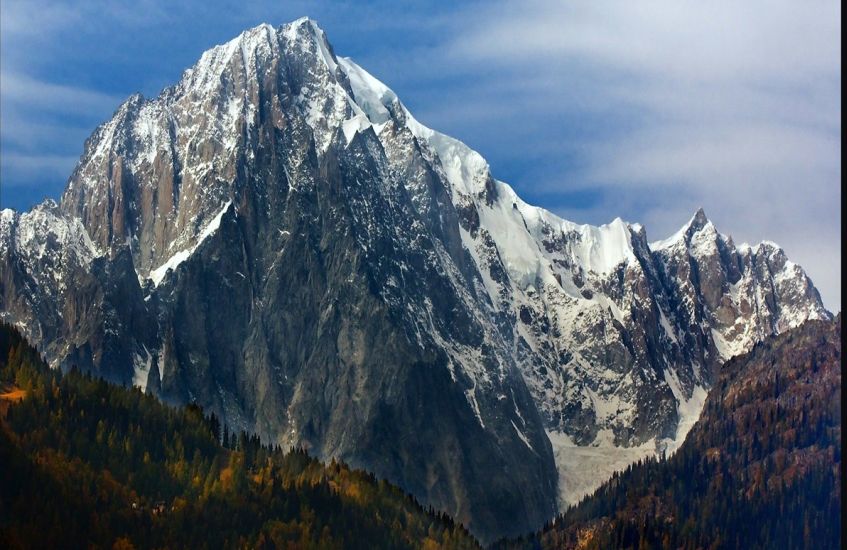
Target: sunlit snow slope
(611,389)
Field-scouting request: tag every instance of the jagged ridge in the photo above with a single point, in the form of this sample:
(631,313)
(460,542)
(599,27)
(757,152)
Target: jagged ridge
(379,283)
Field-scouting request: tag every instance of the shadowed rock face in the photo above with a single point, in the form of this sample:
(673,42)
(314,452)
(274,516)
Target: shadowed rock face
(279,240)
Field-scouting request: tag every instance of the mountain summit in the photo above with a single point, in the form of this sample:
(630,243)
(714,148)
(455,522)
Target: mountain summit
(278,239)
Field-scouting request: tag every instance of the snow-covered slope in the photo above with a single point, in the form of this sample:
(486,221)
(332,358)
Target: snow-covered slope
(602,317)
(277,238)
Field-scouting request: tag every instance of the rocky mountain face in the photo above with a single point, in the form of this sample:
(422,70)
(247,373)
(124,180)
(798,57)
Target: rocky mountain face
(278,239)
(768,445)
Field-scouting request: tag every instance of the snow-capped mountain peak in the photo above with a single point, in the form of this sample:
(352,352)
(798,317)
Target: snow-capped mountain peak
(464,168)
(697,222)
(277,238)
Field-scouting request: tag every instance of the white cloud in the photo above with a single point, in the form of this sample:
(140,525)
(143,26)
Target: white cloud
(35,94)
(652,108)
(23,165)
(734,106)
(42,129)
(701,41)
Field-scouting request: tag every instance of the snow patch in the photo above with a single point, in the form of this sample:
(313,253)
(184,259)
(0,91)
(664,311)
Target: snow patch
(666,325)
(582,469)
(522,436)
(158,274)
(688,410)
(371,95)
(464,168)
(470,395)
(726,349)
(141,369)
(351,127)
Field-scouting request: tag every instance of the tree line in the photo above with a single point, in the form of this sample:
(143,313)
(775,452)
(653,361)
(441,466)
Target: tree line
(89,463)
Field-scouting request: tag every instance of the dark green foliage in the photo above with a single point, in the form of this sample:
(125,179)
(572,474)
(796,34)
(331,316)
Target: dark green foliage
(88,463)
(761,469)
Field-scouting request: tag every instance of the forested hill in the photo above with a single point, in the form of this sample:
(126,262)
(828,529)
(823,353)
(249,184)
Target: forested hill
(761,468)
(90,464)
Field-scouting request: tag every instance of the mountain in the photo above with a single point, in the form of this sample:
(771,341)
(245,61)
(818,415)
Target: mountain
(89,464)
(278,239)
(760,469)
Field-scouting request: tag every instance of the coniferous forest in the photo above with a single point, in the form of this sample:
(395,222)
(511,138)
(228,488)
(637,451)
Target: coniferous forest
(760,469)
(89,464)
(419,275)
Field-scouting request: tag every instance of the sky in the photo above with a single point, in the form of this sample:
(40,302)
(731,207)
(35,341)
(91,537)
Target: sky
(644,110)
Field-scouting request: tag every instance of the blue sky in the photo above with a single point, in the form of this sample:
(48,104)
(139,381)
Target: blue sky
(644,110)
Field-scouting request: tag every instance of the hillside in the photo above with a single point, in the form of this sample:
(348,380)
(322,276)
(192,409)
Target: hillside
(760,469)
(87,463)
(276,238)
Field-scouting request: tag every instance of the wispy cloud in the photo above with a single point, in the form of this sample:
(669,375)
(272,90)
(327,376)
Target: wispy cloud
(645,110)
(44,126)
(27,166)
(30,93)
(663,106)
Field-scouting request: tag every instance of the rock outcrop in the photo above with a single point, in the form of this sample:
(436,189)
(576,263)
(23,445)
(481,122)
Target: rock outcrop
(278,239)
